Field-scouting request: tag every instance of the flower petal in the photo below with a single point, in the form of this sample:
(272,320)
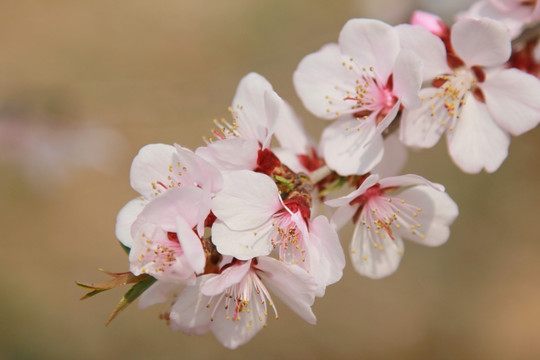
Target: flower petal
(419,128)
(427,46)
(248,199)
(231,154)
(344,146)
(150,169)
(438,212)
(125,219)
(217,284)
(408,78)
(243,245)
(477,141)
(322,82)
(189,312)
(157,293)
(484,42)
(512,100)
(291,283)
(325,253)
(371,43)
(375,259)
(191,245)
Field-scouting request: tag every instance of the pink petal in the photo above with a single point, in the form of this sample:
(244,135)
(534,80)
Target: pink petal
(345,146)
(427,46)
(231,154)
(322,82)
(151,167)
(512,100)
(158,293)
(408,180)
(255,107)
(483,42)
(344,200)
(438,212)
(243,245)
(371,43)
(375,262)
(477,141)
(248,199)
(418,128)
(291,283)
(408,78)
(290,132)
(189,313)
(191,245)
(428,21)
(217,284)
(196,171)
(325,252)
(125,219)
(176,202)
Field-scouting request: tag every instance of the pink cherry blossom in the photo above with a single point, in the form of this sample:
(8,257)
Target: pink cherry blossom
(388,210)
(473,99)
(235,303)
(261,221)
(363,81)
(256,109)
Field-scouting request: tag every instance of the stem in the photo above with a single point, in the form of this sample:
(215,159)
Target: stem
(320,174)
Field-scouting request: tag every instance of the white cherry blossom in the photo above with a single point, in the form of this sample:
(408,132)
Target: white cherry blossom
(388,210)
(473,99)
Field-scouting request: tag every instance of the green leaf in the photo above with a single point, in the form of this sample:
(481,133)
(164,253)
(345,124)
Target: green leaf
(131,295)
(126,249)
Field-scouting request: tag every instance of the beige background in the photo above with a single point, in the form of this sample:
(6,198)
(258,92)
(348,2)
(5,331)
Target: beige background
(160,71)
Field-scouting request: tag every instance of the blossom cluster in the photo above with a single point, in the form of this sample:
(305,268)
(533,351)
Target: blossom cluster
(252,215)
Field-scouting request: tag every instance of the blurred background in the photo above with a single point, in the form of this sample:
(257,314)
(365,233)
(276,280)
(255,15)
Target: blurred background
(85,84)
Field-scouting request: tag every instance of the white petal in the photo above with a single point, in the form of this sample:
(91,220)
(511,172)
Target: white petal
(325,253)
(125,219)
(151,167)
(369,182)
(345,146)
(189,313)
(255,107)
(243,244)
(191,245)
(322,82)
(394,158)
(290,132)
(477,141)
(291,283)
(290,158)
(371,43)
(196,171)
(408,78)
(512,100)
(342,215)
(418,128)
(217,284)
(375,262)
(438,212)
(157,293)
(408,180)
(176,202)
(484,42)
(247,200)
(231,154)
(429,47)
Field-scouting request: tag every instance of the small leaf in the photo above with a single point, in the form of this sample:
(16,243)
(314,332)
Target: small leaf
(126,249)
(130,296)
(119,279)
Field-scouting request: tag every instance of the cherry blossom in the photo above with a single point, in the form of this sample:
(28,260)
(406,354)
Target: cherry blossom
(388,210)
(263,221)
(362,81)
(473,99)
(256,109)
(235,303)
